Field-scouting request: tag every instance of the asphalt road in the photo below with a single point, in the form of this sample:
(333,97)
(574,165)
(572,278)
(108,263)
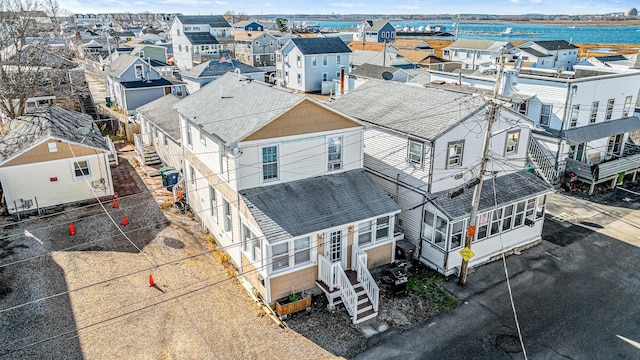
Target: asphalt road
(576,294)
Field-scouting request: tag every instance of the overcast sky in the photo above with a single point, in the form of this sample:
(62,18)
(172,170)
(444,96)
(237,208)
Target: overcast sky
(257,7)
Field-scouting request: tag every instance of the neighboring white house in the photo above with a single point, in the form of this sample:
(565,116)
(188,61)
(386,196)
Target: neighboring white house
(51,157)
(303,64)
(277,179)
(202,74)
(198,38)
(608,64)
(423,146)
(585,121)
(160,132)
(474,54)
(547,54)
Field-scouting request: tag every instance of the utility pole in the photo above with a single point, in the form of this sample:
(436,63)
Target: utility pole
(475,201)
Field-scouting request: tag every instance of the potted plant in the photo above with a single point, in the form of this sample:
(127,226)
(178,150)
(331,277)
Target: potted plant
(293,303)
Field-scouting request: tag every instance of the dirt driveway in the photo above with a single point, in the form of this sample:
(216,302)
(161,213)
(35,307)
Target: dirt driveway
(87,295)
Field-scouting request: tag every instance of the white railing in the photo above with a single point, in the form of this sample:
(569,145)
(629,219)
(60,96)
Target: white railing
(113,156)
(347,293)
(327,272)
(543,165)
(364,276)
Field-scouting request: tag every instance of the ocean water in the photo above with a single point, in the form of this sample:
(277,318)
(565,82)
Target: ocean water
(573,33)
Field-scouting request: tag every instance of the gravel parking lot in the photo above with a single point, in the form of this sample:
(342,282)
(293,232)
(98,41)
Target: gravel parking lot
(87,295)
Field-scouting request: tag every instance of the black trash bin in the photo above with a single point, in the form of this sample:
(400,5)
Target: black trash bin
(405,250)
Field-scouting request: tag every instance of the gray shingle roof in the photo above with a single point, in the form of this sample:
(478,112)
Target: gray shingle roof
(555,44)
(232,107)
(305,206)
(376,25)
(49,122)
(160,112)
(601,130)
(329,45)
(473,44)
(201,38)
(122,63)
(410,109)
(372,71)
(510,188)
(534,52)
(216,68)
(211,20)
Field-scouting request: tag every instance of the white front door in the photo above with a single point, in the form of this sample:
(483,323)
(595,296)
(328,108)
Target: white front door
(334,247)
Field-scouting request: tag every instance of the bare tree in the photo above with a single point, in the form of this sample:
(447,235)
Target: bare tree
(27,58)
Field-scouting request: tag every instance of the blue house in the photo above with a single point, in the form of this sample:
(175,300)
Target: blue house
(248,25)
(376,31)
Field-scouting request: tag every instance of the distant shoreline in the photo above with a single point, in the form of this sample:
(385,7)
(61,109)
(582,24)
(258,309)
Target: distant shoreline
(512,21)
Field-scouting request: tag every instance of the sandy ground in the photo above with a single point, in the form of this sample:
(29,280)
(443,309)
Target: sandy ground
(86,296)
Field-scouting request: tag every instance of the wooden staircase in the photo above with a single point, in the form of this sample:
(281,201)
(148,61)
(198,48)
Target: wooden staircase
(355,290)
(146,152)
(87,106)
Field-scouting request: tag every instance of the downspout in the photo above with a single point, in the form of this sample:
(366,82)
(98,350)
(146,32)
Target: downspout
(431,160)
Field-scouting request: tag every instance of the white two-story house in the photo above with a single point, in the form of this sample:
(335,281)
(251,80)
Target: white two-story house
(547,54)
(198,38)
(303,64)
(277,179)
(476,54)
(584,121)
(424,146)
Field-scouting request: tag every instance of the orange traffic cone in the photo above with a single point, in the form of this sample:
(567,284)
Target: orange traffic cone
(125,222)
(151,282)
(72,229)
(115,203)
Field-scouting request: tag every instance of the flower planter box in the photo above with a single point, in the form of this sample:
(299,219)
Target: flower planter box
(285,306)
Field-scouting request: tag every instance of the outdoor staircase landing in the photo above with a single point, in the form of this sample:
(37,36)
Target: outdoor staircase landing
(87,105)
(364,309)
(150,156)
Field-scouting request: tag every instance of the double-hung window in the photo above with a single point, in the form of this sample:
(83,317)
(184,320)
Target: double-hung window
(299,79)
(192,175)
(325,60)
(594,112)
(457,233)
(270,163)
(416,152)
(301,250)
(280,256)
(188,139)
(545,115)
(454,158)
(81,169)
(574,116)
(139,70)
(226,209)
(609,113)
(213,202)
(334,150)
(382,228)
(314,61)
(325,76)
(513,139)
(299,61)
(364,233)
(338,59)
(627,106)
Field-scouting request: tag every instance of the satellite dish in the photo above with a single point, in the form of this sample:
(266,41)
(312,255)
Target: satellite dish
(83,131)
(387,75)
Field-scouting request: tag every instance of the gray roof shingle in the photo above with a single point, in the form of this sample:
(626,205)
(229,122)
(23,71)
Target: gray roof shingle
(509,188)
(328,45)
(121,63)
(216,68)
(534,52)
(211,20)
(221,107)
(372,71)
(555,44)
(49,122)
(601,130)
(423,112)
(201,38)
(305,206)
(160,112)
